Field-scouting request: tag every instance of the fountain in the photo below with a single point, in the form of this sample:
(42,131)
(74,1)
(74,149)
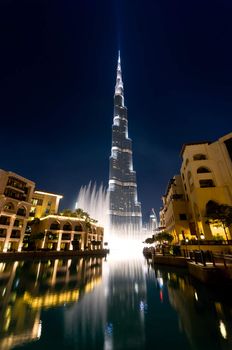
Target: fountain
(95,201)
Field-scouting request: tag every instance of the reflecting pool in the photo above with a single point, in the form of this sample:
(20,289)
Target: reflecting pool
(95,303)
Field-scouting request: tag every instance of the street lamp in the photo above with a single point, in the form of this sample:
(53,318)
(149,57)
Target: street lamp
(186,242)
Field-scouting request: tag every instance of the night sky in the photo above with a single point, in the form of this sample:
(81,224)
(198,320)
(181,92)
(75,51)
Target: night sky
(57,76)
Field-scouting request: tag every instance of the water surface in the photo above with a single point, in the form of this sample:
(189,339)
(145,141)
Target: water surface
(109,304)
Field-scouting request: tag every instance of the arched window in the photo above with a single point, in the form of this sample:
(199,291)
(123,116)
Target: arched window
(67,226)
(186,162)
(203,170)
(78,228)
(8,206)
(21,211)
(199,156)
(55,225)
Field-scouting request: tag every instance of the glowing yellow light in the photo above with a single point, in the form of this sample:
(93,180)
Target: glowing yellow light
(222,328)
(49,194)
(51,299)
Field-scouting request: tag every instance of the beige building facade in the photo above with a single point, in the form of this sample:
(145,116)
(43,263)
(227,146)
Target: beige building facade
(174,214)
(20,205)
(58,232)
(206,174)
(15,204)
(43,204)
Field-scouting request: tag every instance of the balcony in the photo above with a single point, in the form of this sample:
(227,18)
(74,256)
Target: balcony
(16,183)
(12,193)
(15,187)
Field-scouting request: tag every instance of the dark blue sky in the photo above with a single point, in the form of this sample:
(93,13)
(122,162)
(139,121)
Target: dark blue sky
(57,77)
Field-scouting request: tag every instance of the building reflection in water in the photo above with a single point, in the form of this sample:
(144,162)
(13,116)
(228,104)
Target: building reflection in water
(28,287)
(111,305)
(205,314)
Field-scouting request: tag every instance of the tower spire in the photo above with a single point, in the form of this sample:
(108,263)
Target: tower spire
(119,83)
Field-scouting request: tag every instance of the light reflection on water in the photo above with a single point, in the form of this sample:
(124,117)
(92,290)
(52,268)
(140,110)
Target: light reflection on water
(109,304)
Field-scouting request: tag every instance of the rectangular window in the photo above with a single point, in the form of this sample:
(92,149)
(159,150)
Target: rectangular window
(176,196)
(4,220)
(183,216)
(34,201)
(206,183)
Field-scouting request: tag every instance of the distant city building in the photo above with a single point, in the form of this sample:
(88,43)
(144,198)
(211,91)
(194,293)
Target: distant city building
(206,174)
(15,204)
(153,221)
(125,210)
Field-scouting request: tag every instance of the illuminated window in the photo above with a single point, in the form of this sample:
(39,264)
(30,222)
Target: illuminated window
(40,202)
(8,206)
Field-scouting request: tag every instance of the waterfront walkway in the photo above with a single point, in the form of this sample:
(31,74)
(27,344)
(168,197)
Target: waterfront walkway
(205,266)
(52,254)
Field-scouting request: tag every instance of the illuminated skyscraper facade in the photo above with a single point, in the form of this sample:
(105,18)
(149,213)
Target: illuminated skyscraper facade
(125,210)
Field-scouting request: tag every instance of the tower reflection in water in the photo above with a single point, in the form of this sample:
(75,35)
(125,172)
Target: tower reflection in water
(113,316)
(113,304)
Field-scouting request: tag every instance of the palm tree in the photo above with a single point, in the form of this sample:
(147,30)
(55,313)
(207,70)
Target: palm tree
(163,236)
(219,214)
(66,212)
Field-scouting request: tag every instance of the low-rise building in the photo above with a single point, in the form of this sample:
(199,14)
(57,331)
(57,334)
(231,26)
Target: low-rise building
(15,204)
(29,220)
(175,211)
(206,175)
(58,232)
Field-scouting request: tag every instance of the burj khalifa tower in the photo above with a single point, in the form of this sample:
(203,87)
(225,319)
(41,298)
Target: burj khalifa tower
(125,210)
